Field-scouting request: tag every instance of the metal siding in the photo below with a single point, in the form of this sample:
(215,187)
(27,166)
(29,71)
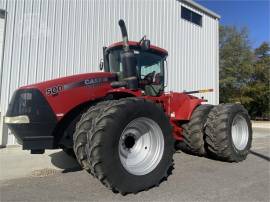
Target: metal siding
(2,35)
(3,4)
(46,39)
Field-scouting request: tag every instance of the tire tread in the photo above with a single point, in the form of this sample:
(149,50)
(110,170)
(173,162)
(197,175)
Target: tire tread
(80,135)
(217,139)
(95,160)
(193,131)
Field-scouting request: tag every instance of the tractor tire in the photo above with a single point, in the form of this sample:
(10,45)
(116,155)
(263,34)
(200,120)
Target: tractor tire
(228,133)
(80,135)
(193,131)
(130,146)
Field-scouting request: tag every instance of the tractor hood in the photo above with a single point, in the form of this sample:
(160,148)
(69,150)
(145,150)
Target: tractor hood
(35,110)
(69,81)
(64,94)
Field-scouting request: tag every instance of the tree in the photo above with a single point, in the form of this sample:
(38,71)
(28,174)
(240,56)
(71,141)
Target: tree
(235,64)
(259,88)
(263,51)
(244,73)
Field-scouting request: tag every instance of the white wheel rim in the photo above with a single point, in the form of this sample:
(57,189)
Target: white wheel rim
(240,133)
(141,146)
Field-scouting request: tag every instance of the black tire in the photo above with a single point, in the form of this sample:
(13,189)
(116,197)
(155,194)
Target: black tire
(218,131)
(80,136)
(193,131)
(103,145)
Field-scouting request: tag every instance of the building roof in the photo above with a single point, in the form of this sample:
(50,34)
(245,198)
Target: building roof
(201,8)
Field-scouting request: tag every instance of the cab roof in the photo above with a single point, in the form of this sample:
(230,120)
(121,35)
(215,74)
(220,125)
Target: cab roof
(136,45)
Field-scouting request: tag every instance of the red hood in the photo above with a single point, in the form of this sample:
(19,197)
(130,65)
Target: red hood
(66,80)
(64,94)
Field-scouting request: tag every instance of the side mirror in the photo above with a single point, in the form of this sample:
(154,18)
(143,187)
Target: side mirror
(101,64)
(145,44)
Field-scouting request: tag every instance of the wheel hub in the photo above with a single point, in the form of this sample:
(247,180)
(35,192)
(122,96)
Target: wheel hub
(240,133)
(141,146)
(129,141)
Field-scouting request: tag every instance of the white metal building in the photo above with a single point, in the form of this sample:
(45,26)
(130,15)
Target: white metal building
(45,39)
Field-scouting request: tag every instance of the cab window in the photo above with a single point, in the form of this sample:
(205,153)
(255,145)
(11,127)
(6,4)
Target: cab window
(150,69)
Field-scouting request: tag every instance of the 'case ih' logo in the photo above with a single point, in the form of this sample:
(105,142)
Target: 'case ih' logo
(95,81)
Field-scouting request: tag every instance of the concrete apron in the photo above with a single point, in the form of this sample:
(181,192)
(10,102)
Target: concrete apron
(16,163)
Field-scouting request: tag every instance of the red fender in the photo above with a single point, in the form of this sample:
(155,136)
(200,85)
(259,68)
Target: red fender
(182,105)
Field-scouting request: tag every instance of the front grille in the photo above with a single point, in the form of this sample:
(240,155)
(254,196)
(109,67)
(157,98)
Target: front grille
(32,103)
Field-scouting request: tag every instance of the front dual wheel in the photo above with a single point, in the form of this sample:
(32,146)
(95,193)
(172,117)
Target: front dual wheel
(141,146)
(130,146)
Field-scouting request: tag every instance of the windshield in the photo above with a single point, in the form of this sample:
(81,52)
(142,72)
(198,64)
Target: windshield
(146,63)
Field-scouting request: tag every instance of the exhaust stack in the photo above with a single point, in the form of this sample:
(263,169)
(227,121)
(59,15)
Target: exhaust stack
(124,35)
(128,60)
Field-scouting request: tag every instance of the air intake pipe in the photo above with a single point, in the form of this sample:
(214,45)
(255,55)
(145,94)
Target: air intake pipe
(128,60)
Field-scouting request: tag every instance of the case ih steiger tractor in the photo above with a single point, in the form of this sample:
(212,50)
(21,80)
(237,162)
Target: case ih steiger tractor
(120,123)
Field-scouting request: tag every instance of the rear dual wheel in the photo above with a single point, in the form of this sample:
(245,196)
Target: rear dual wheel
(228,132)
(130,145)
(223,132)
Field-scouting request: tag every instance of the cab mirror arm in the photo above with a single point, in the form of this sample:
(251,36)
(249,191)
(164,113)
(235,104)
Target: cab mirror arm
(101,64)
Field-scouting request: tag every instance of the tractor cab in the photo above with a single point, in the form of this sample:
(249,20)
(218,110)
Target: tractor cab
(148,64)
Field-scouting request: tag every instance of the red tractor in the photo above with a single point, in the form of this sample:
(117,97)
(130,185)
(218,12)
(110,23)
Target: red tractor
(121,125)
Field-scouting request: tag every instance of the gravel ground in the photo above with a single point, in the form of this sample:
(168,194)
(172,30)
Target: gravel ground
(193,179)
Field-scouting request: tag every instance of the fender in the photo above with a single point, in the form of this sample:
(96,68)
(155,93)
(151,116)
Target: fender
(182,105)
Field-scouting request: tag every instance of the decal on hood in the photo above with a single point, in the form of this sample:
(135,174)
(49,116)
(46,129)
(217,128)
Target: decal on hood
(91,82)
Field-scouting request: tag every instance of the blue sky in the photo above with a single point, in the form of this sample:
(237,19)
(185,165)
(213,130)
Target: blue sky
(254,14)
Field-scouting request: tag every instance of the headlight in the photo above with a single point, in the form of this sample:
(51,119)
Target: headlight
(17,119)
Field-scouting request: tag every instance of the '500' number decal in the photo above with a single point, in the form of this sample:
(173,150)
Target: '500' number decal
(54,90)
